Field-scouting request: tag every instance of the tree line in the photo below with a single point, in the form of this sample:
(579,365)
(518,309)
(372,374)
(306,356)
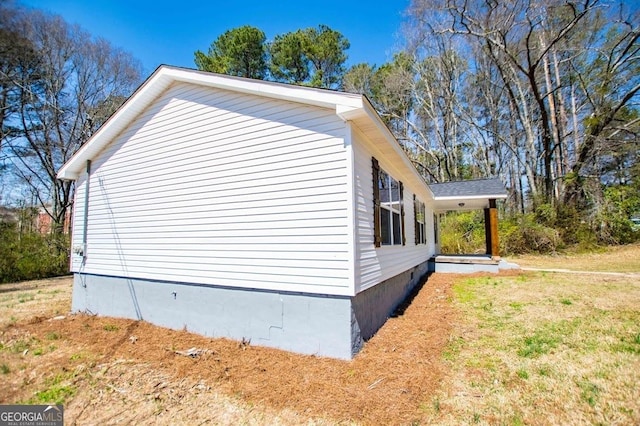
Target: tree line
(542,93)
(312,56)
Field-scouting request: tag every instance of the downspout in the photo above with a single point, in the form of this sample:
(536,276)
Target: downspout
(85,224)
(82,250)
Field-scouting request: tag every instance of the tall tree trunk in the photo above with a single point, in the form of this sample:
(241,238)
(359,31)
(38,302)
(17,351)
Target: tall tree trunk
(555,128)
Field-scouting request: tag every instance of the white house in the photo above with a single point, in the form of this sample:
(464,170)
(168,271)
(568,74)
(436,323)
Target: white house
(247,209)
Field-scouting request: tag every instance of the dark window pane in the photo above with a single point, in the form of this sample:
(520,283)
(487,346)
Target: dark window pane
(383,185)
(397,239)
(383,181)
(395,191)
(385,226)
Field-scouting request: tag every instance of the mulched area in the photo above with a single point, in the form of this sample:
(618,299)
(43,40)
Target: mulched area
(399,369)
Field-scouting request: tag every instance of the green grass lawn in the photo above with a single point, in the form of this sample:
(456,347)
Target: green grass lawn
(543,348)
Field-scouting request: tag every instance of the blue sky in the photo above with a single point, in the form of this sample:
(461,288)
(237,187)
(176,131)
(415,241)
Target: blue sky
(168,32)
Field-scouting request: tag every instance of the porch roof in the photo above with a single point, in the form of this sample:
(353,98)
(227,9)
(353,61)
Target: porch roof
(467,194)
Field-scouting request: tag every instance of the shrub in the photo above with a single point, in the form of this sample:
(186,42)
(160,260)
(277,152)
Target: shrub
(27,256)
(545,215)
(523,234)
(462,232)
(613,223)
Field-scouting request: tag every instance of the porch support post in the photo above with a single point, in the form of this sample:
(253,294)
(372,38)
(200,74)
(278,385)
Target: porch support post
(491,229)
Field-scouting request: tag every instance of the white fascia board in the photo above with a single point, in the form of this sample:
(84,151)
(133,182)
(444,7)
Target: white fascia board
(300,94)
(470,197)
(164,76)
(350,113)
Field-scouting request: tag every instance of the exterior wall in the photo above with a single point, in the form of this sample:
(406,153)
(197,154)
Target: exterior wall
(234,215)
(221,188)
(374,265)
(303,323)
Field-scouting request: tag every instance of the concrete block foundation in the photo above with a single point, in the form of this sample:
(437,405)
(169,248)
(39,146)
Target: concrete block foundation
(323,325)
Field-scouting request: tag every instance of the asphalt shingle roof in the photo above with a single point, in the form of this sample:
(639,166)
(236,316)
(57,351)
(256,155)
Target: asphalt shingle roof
(469,188)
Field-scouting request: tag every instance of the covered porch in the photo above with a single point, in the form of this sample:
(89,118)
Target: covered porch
(480,194)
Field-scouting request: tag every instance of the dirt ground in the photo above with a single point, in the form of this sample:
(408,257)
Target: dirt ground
(115,371)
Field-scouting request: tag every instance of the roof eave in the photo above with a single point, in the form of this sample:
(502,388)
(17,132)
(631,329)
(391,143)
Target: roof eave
(470,197)
(367,112)
(345,104)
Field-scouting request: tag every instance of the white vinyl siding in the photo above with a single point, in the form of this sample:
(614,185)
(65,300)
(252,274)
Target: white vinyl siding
(375,265)
(213,187)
